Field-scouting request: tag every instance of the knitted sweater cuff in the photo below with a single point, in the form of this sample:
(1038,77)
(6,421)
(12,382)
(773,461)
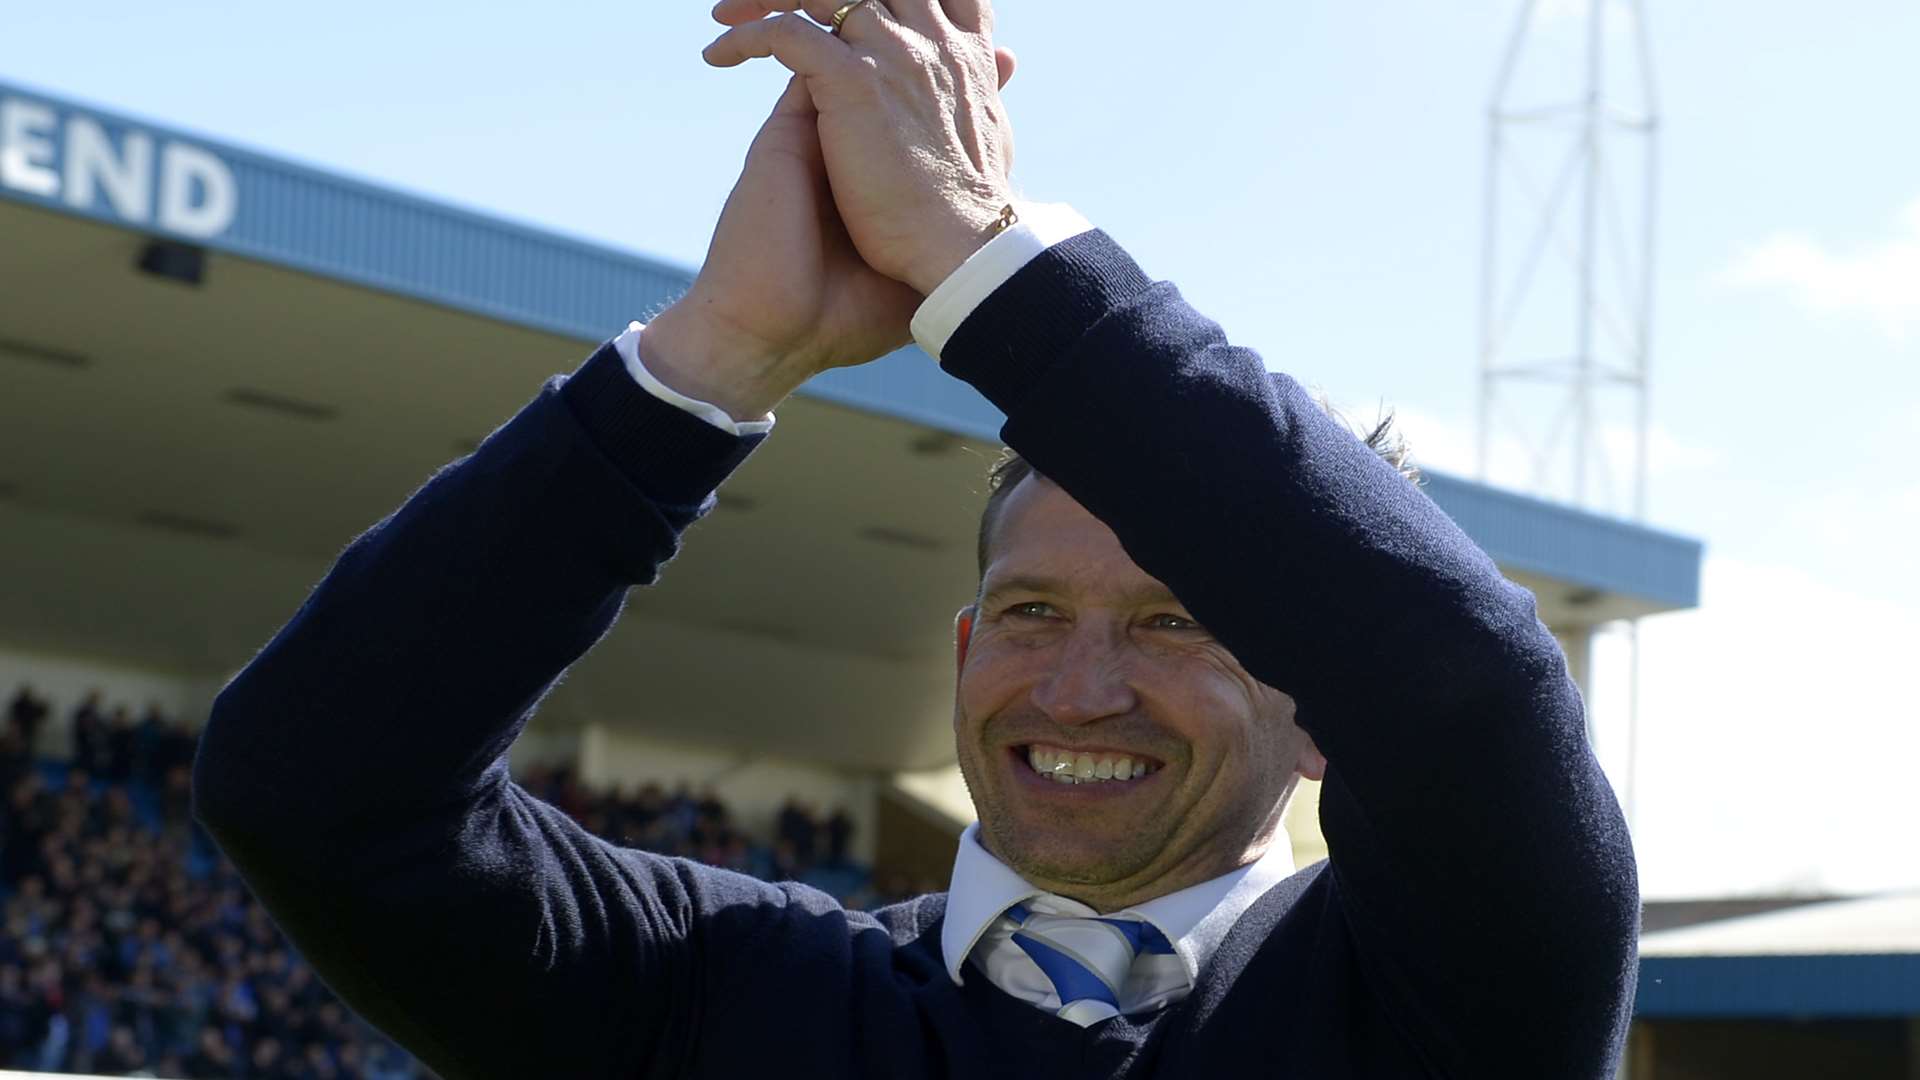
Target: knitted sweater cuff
(1032,322)
(671,455)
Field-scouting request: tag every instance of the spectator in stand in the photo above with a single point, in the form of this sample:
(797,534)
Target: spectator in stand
(646,809)
(20,1024)
(708,804)
(119,763)
(149,748)
(23,832)
(212,1055)
(122,1053)
(26,714)
(785,865)
(839,837)
(89,734)
(682,814)
(795,826)
(266,1059)
(15,762)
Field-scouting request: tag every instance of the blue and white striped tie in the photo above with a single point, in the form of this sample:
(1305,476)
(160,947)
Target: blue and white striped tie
(1092,967)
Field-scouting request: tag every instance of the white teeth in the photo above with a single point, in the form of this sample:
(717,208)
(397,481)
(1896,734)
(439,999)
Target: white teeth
(1069,767)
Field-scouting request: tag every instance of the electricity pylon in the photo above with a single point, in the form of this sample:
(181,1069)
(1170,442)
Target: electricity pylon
(1567,262)
(1566,309)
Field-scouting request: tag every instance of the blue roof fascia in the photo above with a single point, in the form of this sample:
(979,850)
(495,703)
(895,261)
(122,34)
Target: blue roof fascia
(348,230)
(1828,986)
(908,384)
(1569,544)
(361,233)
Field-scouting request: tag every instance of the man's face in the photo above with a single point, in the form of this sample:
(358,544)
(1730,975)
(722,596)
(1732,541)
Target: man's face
(1078,656)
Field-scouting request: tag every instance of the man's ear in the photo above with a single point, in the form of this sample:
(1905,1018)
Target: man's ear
(962,635)
(1311,763)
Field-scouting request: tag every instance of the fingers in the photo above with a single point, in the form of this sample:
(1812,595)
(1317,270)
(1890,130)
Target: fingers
(790,130)
(1006,62)
(795,102)
(972,16)
(800,46)
(861,21)
(924,16)
(738,12)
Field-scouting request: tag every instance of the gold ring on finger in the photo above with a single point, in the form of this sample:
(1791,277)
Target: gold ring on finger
(840,15)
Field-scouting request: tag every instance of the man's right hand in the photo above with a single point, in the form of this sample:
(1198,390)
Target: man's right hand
(783,294)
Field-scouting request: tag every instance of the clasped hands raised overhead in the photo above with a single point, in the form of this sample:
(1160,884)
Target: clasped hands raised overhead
(882,168)
(916,143)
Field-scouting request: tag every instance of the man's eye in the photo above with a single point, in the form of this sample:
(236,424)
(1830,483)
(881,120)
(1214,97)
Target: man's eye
(1036,608)
(1173,622)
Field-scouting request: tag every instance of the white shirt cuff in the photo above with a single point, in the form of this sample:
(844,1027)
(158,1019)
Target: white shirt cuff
(1041,226)
(628,346)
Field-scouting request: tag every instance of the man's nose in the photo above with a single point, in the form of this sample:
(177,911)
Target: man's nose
(1089,680)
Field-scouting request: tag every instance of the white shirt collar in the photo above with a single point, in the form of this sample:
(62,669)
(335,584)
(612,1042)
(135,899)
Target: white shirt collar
(1195,919)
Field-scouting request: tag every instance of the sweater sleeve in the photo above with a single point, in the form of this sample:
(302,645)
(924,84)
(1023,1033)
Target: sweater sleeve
(1480,858)
(355,770)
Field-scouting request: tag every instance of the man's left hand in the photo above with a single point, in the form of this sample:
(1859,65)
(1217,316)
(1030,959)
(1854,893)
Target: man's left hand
(917,145)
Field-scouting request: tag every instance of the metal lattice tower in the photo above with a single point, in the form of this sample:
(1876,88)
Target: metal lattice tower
(1567,264)
(1566,309)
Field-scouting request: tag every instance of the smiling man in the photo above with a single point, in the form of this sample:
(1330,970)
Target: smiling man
(1120,759)
(1196,588)
(1114,749)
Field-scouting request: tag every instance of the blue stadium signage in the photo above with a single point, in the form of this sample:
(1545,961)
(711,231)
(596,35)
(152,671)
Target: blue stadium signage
(114,170)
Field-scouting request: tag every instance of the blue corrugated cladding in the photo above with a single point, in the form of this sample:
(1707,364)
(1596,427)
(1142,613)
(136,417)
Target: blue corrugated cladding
(1524,533)
(398,244)
(350,231)
(366,235)
(1813,987)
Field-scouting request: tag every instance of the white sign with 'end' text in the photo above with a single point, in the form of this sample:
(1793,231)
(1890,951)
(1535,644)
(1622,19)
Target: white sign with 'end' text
(140,178)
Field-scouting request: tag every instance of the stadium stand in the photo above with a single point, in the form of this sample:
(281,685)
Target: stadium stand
(128,946)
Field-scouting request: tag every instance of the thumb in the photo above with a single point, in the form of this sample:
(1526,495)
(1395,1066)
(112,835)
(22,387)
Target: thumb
(795,101)
(792,128)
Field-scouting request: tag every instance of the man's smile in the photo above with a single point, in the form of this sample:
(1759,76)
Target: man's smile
(1058,767)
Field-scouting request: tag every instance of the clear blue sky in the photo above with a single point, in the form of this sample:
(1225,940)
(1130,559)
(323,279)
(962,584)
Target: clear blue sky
(1310,175)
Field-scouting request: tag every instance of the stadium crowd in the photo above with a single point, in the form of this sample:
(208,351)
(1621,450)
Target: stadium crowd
(129,947)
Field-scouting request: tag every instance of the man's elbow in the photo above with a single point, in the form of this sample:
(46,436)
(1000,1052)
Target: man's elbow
(1598,933)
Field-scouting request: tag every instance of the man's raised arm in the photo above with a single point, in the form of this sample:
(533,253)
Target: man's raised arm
(1478,852)
(355,771)
(1479,856)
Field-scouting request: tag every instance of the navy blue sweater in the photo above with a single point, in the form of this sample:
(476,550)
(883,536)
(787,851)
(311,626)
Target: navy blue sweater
(1477,917)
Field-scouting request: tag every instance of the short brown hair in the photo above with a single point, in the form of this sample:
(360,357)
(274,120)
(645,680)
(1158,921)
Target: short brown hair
(1005,474)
